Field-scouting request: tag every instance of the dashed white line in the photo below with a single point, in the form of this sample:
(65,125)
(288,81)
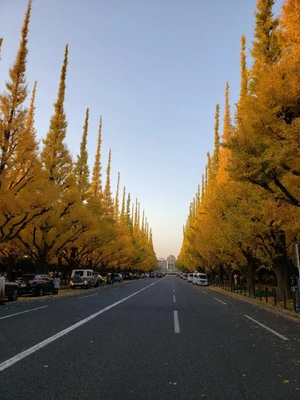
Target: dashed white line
(33,349)
(268,329)
(220,301)
(203,291)
(22,312)
(174,298)
(176,322)
(90,295)
(173,290)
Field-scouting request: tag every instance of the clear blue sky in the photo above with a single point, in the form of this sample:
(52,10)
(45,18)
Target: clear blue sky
(154,69)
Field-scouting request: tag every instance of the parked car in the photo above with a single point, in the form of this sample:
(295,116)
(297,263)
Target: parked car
(128,276)
(84,278)
(202,279)
(11,290)
(159,275)
(151,275)
(36,284)
(116,278)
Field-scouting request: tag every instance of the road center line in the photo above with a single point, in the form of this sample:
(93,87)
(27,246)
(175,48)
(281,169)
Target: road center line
(173,290)
(174,298)
(22,312)
(90,295)
(221,301)
(176,323)
(268,329)
(31,350)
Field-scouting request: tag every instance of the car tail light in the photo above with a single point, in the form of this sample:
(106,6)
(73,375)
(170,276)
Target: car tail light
(34,282)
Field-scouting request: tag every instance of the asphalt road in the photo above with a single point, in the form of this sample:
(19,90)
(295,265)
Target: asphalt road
(148,339)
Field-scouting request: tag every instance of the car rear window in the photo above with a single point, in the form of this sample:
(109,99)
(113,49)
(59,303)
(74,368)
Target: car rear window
(78,273)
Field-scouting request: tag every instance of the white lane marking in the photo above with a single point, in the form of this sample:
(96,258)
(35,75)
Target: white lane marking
(173,290)
(33,349)
(268,329)
(203,291)
(90,295)
(22,312)
(221,301)
(176,323)
(174,298)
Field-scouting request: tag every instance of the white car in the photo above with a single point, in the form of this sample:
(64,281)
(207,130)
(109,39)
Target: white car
(202,279)
(84,278)
(190,277)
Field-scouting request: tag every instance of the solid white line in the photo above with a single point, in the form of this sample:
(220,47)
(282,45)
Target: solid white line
(22,312)
(174,298)
(221,301)
(26,353)
(176,323)
(90,295)
(268,329)
(203,291)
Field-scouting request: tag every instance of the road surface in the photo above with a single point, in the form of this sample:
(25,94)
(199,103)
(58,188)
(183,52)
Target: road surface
(147,339)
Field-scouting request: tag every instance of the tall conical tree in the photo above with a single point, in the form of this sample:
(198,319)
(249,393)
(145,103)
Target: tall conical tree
(27,166)
(209,168)
(128,210)
(244,72)
(202,188)
(13,114)
(143,221)
(20,180)
(107,195)
(265,49)
(55,156)
(216,154)
(81,167)
(1,41)
(226,136)
(117,199)
(96,184)
(123,202)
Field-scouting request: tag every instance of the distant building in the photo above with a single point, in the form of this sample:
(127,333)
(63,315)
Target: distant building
(170,264)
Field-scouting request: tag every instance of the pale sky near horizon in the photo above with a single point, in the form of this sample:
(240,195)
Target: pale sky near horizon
(154,69)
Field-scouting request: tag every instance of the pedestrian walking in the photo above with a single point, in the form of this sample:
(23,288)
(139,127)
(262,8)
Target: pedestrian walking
(2,287)
(56,283)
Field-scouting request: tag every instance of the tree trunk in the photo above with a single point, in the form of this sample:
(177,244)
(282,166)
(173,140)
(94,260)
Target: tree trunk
(281,267)
(41,266)
(250,271)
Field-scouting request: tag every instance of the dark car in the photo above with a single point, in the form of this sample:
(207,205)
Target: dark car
(151,275)
(36,284)
(159,275)
(116,278)
(11,291)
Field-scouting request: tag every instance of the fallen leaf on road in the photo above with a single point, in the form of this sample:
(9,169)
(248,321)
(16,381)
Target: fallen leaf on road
(45,366)
(286,381)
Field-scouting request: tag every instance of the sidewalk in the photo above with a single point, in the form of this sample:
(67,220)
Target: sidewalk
(267,306)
